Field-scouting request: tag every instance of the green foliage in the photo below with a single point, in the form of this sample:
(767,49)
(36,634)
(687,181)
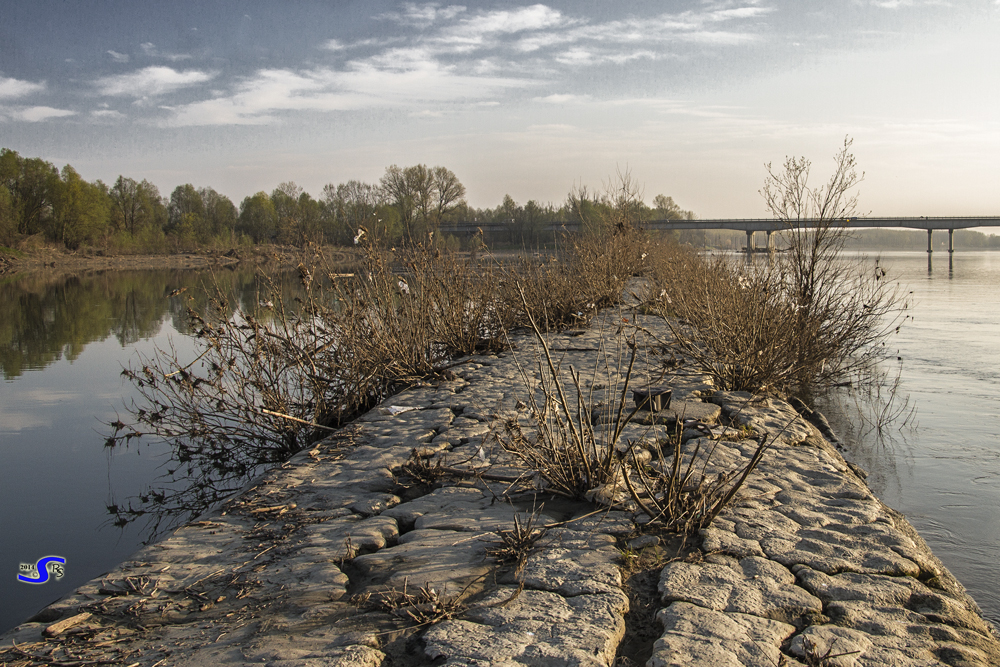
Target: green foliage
(8,217)
(79,210)
(258,218)
(406,207)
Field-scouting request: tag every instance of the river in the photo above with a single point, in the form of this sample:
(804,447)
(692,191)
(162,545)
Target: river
(942,468)
(64,340)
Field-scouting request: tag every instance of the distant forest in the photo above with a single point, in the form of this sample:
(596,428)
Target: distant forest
(39,202)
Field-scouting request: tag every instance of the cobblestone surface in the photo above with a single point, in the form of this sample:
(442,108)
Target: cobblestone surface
(806,567)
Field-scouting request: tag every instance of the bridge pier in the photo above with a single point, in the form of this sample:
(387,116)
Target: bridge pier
(951,240)
(930,247)
(749,242)
(770,241)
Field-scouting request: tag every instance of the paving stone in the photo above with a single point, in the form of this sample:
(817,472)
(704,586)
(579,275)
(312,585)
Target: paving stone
(574,563)
(764,415)
(344,538)
(753,585)
(536,628)
(444,560)
(804,545)
(696,636)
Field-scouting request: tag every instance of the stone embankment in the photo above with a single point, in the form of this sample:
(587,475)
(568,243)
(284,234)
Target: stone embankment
(411,538)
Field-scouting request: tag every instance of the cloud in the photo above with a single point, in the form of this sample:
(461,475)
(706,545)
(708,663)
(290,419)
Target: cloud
(150,81)
(14,88)
(563,98)
(110,114)
(118,57)
(150,50)
(401,80)
(581,43)
(39,114)
(424,16)
(523,19)
(446,55)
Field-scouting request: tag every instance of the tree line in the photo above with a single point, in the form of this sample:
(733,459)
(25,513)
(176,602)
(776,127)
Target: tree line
(408,205)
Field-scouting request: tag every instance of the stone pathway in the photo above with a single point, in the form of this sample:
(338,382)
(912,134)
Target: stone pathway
(383,545)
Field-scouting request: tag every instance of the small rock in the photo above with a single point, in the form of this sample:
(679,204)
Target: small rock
(643,541)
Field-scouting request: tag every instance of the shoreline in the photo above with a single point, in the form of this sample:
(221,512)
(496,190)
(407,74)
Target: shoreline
(807,561)
(47,260)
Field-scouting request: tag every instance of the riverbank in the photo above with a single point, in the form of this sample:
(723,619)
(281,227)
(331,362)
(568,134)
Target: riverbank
(46,259)
(385,542)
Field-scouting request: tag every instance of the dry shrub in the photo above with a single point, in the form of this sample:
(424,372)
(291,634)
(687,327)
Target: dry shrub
(405,315)
(423,606)
(515,544)
(568,291)
(560,441)
(681,493)
(734,323)
(677,491)
(278,375)
(745,324)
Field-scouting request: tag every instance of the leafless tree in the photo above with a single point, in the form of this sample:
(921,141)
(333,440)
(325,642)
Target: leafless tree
(841,308)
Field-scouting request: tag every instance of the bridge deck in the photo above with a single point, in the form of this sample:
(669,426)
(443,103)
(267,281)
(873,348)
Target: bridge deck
(761,224)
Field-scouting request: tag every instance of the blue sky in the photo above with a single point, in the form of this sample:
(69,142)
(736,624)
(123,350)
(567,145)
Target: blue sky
(528,99)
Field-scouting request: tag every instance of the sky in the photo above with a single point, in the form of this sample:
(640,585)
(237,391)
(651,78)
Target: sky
(691,97)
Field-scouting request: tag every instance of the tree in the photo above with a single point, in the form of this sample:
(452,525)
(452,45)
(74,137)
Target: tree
(79,210)
(186,213)
(840,309)
(349,206)
(285,199)
(258,219)
(30,182)
(126,203)
(8,218)
(667,209)
(220,213)
(448,192)
(422,196)
(812,216)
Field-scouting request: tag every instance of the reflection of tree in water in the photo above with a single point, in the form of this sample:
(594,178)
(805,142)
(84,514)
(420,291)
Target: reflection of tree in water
(44,319)
(224,414)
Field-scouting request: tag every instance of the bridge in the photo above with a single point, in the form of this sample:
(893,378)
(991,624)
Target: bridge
(770,225)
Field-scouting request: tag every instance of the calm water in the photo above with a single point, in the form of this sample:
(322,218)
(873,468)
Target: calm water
(944,473)
(63,342)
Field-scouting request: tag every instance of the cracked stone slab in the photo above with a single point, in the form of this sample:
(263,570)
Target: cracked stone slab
(707,413)
(460,508)
(346,537)
(896,634)
(533,628)
(764,415)
(445,560)
(753,585)
(900,592)
(572,563)
(696,636)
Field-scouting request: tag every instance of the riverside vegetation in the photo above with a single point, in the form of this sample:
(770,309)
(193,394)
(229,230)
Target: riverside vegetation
(276,376)
(43,207)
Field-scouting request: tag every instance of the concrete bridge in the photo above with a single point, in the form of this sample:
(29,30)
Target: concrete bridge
(768,226)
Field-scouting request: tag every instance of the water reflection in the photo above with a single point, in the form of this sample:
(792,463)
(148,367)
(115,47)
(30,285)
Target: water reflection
(47,318)
(63,342)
